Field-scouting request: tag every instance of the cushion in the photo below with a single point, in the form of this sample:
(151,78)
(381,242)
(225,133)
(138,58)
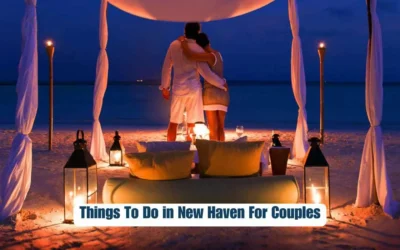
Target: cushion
(168,165)
(158,146)
(229,159)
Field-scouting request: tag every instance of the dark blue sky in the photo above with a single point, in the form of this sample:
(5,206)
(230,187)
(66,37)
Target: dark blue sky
(255,46)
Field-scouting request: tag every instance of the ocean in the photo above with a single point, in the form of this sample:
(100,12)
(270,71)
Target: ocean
(253,104)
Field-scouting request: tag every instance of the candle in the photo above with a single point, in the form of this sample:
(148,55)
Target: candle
(315,195)
(117,156)
(79,200)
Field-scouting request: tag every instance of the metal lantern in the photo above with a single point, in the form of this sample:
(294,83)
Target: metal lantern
(116,152)
(80,178)
(275,141)
(316,176)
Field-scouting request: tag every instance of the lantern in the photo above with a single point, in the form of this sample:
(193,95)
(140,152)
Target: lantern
(116,152)
(80,178)
(200,129)
(275,141)
(316,176)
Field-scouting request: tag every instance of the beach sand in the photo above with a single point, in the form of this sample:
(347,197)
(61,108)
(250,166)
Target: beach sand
(39,225)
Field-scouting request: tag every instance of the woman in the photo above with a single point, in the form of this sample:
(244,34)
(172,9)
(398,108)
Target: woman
(215,100)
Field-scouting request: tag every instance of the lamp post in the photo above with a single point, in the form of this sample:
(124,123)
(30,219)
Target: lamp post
(50,54)
(321,53)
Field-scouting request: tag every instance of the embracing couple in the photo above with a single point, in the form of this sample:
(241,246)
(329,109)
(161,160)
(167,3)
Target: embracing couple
(191,55)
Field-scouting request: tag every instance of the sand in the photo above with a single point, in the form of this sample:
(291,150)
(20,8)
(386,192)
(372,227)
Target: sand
(39,225)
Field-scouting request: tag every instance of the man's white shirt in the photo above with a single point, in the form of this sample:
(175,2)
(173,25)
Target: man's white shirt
(186,72)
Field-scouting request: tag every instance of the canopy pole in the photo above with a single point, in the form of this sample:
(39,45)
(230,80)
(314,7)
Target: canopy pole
(373,181)
(97,146)
(300,145)
(15,179)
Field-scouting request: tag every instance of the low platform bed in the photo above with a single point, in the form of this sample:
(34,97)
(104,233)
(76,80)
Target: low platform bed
(271,189)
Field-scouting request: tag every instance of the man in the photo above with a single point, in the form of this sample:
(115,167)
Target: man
(186,87)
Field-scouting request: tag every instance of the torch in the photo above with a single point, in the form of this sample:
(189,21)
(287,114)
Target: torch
(50,54)
(321,53)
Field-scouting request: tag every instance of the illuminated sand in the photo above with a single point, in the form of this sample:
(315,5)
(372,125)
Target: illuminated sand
(39,225)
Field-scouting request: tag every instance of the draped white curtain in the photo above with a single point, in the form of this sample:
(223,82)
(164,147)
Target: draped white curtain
(373,182)
(16,177)
(97,146)
(300,145)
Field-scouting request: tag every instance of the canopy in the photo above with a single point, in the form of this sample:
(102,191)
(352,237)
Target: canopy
(196,10)
(16,177)
(188,11)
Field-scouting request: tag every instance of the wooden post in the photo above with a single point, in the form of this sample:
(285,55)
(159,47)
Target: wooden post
(50,54)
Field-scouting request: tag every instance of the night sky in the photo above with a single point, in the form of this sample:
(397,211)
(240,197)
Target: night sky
(255,46)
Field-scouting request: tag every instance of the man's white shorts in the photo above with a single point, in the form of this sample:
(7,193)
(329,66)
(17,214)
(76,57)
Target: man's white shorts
(193,103)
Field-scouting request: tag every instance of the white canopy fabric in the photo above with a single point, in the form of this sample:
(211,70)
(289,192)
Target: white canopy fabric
(97,145)
(300,145)
(373,181)
(197,10)
(16,176)
(189,10)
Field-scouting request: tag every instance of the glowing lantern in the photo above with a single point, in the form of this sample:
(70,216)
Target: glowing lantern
(116,152)
(200,129)
(80,178)
(316,176)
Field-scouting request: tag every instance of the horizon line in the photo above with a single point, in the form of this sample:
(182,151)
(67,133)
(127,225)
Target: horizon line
(141,81)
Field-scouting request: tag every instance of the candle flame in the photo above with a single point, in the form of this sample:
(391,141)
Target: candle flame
(200,130)
(316,196)
(322,45)
(49,43)
(79,200)
(117,156)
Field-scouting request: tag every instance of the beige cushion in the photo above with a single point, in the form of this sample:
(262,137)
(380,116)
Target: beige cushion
(229,159)
(271,189)
(159,146)
(169,165)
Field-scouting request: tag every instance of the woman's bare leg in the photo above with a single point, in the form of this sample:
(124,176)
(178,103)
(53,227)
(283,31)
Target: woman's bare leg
(221,125)
(212,120)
